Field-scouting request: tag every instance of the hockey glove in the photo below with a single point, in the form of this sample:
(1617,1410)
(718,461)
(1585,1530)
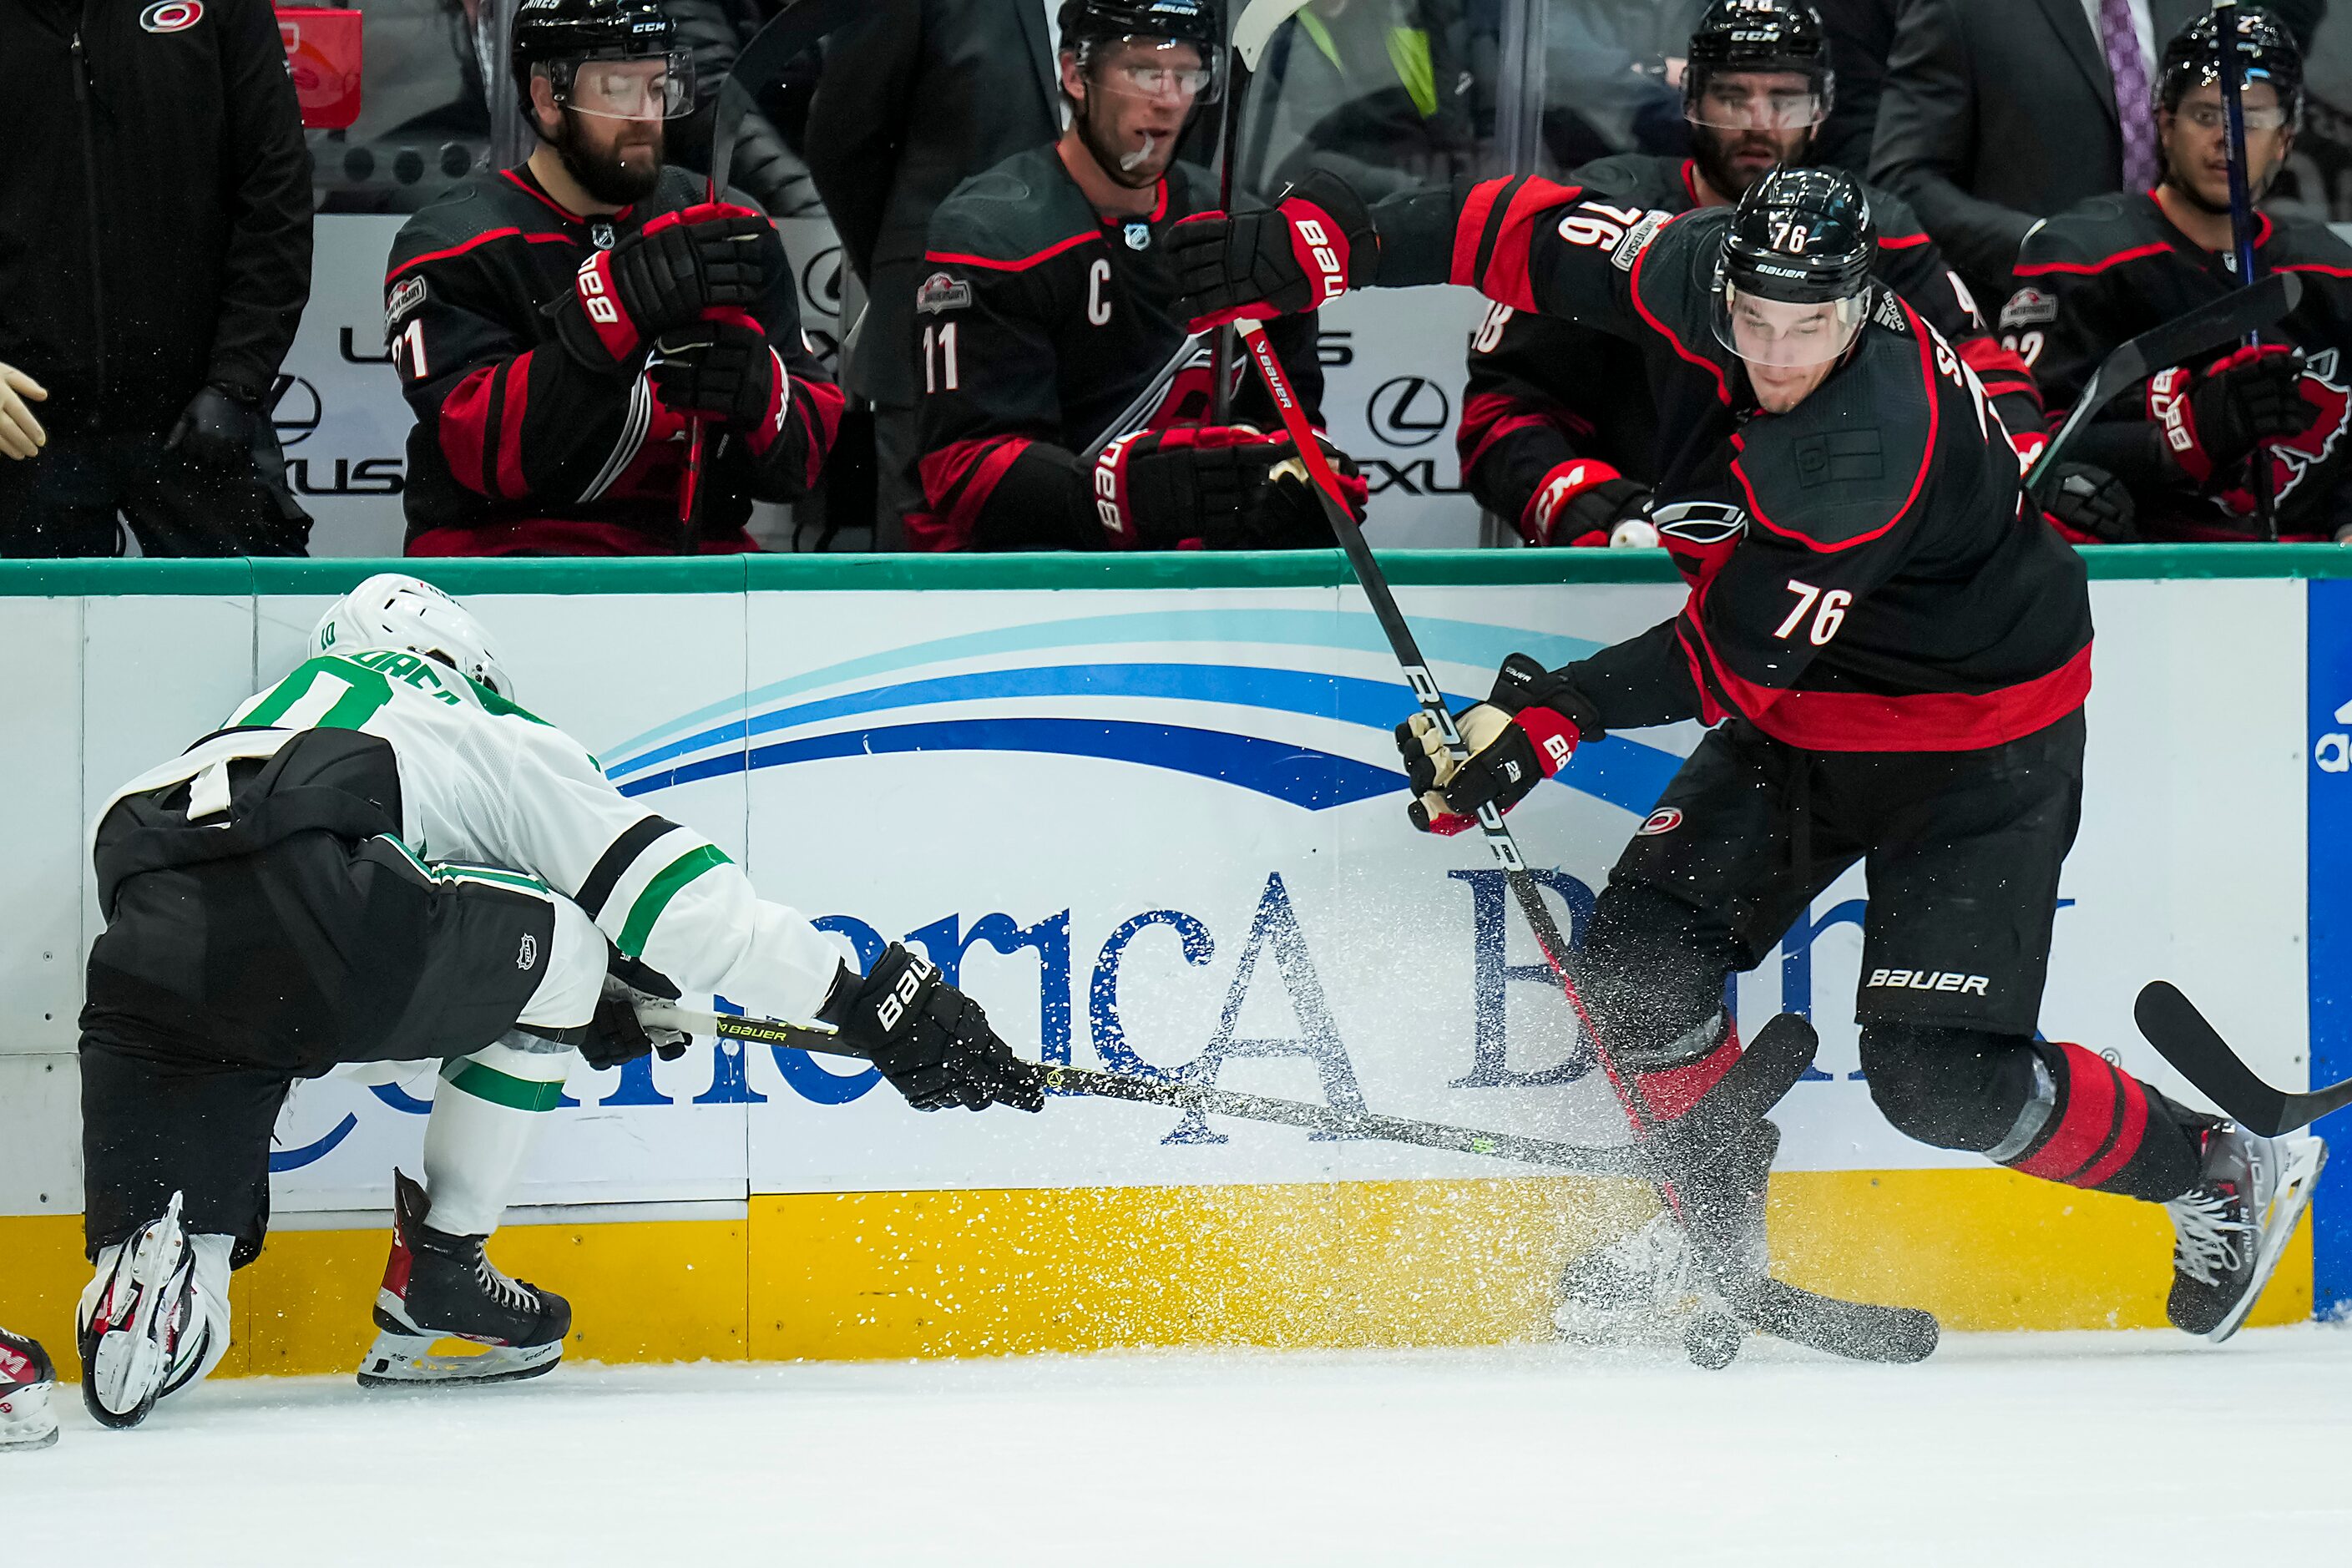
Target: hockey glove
(2090,506)
(617,1035)
(216,431)
(724,370)
(931,1041)
(1289,513)
(1161,490)
(2211,421)
(665,274)
(1526,731)
(1300,255)
(1583,502)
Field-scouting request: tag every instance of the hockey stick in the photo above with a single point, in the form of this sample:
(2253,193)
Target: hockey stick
(2171,1023)
(1783,1048)
(1852,1328)
(1132,416)
(2210,326)
(1253,29)
(2242,219)
(795,28)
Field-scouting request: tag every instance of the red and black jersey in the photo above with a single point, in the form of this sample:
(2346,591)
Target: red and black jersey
(1862,576)
(2112,267)
(1038,324)
(1544,392)
(519,448)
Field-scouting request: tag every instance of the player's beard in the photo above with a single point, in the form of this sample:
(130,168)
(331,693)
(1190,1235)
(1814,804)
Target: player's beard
(621,172)
(1712,150)
(1157,152)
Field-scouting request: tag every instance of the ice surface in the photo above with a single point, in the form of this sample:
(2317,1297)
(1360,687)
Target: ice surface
(2072,1448)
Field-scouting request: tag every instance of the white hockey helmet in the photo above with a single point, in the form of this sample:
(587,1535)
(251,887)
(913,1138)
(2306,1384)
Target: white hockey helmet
(392,609)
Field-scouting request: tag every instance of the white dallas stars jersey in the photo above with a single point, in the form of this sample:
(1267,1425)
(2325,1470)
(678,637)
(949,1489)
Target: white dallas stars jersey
(483,781)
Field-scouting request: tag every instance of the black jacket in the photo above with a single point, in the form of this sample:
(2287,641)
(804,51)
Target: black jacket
(1997,112)
(155,219)
(916,97)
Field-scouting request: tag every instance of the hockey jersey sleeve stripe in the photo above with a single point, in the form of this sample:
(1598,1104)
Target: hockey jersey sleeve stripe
(1474,230)
(1016,264)
(649,905)
(465,428)
(511,397)
(482,238)
(618,856)
(2039,269)
(1499,266)
(957,480)
(503,1089)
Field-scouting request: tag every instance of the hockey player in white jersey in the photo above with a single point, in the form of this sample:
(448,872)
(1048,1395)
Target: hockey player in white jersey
(382,858)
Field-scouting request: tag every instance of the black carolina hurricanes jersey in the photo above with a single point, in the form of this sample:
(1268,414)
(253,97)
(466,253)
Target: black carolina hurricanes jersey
(1543,391)
(1862,576)
(1037,324)
(2112,267)
(518,448)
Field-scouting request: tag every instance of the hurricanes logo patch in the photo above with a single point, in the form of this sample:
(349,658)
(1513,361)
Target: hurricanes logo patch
(1700,523)
(940,293)
(528,954)
(172,15)
(1665,819)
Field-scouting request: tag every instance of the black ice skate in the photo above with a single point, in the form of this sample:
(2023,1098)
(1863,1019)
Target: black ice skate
(437,1286)
(2231,1228)
(26,1381)
(141,1334)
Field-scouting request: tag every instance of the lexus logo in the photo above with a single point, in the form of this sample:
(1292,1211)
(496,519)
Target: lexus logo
(821,283)
(1409,411)
(294,409)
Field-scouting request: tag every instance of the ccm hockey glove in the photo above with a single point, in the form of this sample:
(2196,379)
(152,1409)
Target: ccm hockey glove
(1301,255)
(665,274)
(1583,502)
(1520,734)
(931,1041)
(2211,421)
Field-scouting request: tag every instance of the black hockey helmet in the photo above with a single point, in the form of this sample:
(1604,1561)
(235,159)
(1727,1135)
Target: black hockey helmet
(1760,36)
(2266,52)
(1087,25)
(554,37)
(1800,237)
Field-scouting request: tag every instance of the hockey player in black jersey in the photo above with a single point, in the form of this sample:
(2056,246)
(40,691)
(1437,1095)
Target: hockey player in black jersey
(2184,442)
(1892,653)
(1559,434)
(558,326)
(1049,310)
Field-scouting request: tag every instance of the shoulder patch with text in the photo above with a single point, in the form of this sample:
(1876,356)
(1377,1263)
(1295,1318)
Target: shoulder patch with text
(940,293)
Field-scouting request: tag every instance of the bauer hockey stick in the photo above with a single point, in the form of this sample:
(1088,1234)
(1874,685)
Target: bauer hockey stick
(1787,1042)
(1857,1329)
(1135,414)
(2171,1023)
(2242,219)
(1252,30)
(2214,325)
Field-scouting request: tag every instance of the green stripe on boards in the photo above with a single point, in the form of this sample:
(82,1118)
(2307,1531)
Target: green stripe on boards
(501,1088)
(658,893)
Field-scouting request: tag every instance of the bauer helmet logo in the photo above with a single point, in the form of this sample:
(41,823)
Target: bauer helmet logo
(1665,819)
(172,15)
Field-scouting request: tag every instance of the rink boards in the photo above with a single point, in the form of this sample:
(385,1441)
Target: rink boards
(1147,811)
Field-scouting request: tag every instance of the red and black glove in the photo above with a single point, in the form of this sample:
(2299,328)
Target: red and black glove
(1165,490)
(667,274)
(2090,506)
(1289,514)
(1585,501)
(1311,247)
(2211,421)
(1524,731)
(724,369)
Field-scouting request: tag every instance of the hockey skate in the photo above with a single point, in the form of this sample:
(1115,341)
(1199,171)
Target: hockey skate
(2231,1229)
(439,1287)
(143,1333)
(26,1381)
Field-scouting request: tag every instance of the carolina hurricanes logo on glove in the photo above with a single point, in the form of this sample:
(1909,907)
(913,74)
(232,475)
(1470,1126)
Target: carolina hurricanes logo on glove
(2297,455)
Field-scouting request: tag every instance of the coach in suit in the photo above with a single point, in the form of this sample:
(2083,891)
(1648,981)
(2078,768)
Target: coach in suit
(1998,113)
(916,97)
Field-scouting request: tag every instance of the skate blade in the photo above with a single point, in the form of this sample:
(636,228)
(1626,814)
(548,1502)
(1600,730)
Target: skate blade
(26,1420)
(2293,1195)
(128,1369)
(409,1361)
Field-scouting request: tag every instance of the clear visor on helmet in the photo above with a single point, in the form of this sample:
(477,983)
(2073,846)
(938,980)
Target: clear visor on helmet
(638,87)
(1757,100)
(1168,70)
(1784,335)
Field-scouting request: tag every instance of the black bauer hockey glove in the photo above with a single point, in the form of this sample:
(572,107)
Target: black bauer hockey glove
(2211,421)
(1586,501)
(1289,513)
(723,370)
(703,257)
(1304,253)
(931,1041)
(216,431)
(1159,489)
(2090,505)
(1524,731)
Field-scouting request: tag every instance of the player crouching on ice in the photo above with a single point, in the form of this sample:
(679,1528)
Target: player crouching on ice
(382,858)
(1893,656)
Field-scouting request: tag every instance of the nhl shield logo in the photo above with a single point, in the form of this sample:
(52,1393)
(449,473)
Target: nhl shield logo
(1139,236)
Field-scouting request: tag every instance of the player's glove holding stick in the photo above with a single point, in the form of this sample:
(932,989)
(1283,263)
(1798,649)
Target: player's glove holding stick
(724,369)
(712,256)
(1218,487)
(931,1041)
(2211,420)
(1289,514)
(2090,506)
(1526,731)
(1313,246)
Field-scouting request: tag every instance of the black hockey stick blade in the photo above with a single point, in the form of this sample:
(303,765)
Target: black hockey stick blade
(792,30)
(2208,329)
(1858,1330)
(2180,1035)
